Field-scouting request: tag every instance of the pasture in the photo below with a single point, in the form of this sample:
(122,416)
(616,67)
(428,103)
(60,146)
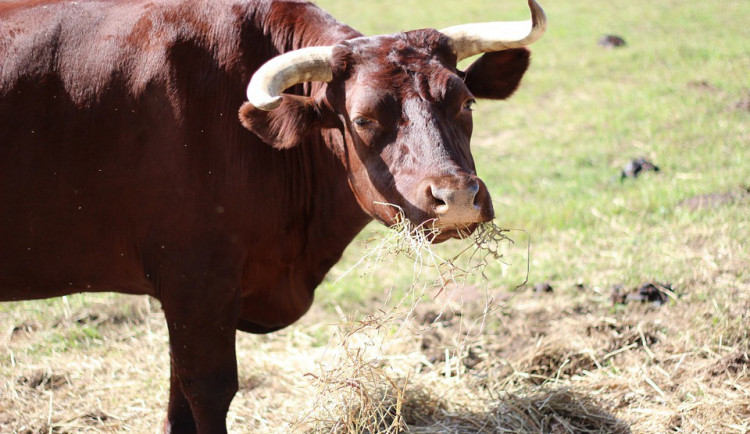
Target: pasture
(396,341)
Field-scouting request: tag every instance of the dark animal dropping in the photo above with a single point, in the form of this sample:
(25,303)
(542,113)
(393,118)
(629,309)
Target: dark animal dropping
(543,287)
(636,167)
(656,293)
(611,41)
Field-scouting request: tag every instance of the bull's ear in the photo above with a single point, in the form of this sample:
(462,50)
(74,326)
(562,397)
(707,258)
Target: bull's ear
(288,125)
(496,75)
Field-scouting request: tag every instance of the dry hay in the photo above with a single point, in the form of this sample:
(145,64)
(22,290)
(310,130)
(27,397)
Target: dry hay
(365,385)
(414,242)
(83,366)
(382,374)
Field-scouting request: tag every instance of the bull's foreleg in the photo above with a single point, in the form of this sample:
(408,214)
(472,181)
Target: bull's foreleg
(204,366)
(179,414)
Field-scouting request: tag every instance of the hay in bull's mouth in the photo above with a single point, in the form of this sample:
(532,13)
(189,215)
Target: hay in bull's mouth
(415,242)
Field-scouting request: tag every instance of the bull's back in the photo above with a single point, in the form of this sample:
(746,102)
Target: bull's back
(89,169)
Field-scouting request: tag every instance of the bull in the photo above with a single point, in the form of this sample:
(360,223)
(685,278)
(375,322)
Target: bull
(124,166)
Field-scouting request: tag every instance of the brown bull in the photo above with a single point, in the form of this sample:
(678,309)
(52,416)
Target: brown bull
(123,166)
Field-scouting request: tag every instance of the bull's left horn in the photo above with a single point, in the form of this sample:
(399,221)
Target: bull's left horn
(286,70)
(470,39)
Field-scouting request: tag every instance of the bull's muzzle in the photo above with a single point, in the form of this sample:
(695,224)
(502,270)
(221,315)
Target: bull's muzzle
(458,201)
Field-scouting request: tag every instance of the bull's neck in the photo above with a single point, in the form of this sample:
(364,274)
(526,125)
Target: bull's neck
(316,190)
(321,192)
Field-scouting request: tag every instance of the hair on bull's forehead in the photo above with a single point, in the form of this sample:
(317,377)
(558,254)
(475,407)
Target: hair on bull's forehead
(406,50)
(418,46)
(419,60)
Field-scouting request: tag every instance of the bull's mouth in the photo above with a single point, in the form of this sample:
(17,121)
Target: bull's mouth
(432,230)
(441,234)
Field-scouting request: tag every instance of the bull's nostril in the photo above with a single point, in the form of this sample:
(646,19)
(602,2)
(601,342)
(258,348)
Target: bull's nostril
(438,196)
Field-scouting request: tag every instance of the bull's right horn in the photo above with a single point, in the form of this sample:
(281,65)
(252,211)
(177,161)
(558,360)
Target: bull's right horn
(470,39)
(286,70)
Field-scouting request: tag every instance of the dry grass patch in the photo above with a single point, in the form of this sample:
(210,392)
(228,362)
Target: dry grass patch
(83,364)
(372,381)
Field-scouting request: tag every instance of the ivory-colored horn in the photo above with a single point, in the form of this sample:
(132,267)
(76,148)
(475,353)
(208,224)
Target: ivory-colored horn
(470,39)
(286,70)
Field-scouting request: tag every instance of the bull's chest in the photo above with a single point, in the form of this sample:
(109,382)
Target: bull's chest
(275,295)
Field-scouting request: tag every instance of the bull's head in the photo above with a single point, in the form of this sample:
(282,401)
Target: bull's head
(404,113)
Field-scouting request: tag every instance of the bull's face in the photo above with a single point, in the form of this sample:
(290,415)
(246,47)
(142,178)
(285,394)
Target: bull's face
(398,113)
(407,114)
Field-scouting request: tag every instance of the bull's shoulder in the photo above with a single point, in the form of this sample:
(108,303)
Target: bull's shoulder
(88,43)
(76,41)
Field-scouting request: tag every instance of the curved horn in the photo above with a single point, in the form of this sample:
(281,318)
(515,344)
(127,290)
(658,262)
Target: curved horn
(470,39)
(286,70)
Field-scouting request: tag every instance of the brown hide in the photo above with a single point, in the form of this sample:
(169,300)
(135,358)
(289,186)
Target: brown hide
(124,167)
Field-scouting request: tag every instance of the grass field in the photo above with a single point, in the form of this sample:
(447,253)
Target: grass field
(390,346)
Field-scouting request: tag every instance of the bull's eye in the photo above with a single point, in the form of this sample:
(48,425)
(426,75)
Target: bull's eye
(362,121)
(469,104)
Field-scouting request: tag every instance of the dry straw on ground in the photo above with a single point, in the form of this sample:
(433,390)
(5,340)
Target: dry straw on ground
(362,387)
